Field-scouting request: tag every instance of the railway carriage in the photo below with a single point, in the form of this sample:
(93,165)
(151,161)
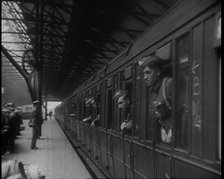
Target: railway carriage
(188,39)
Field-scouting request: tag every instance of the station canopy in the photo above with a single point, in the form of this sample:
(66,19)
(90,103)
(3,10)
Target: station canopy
(73,39)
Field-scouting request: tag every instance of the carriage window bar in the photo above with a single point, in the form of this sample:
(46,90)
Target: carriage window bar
(115,106)
(128,88)
(137,100)
(109,109)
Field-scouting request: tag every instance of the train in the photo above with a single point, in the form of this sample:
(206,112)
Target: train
(188,38)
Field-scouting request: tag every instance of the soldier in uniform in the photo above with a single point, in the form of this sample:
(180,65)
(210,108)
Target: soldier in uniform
(161,93)
(12,126)
(89,103)
(94,116)
(95,113)
(123,101)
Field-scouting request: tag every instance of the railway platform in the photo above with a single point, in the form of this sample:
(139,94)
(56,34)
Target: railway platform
(55,156)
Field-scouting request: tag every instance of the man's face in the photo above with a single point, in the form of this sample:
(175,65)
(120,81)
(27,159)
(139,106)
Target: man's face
(122,103)
(150,75)
(11,108)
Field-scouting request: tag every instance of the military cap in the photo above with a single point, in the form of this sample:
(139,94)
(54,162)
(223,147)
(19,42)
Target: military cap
(151,61)
(35,102)
(119,93)
(5,105)
(90,100)
(11,104)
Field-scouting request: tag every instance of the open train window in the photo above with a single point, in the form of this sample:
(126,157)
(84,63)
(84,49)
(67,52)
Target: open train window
(95,108)
(158,89)
(109,104)
(127,85)
(182,92)
(128,88)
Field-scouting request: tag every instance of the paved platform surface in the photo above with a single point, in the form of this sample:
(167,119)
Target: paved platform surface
(55,155)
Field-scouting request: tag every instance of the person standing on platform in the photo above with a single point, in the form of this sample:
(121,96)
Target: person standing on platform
(12,126)
(20,121)
(50,114)
(35,124)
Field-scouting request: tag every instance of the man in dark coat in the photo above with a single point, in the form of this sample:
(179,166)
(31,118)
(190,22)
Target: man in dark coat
(4,129)
(36,125)
(50,114)
(12,126)
(20,121)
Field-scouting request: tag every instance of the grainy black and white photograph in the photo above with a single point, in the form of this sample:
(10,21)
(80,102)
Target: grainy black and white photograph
(111,89)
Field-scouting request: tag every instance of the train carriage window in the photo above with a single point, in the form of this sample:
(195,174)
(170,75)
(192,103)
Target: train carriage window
(127,86)
(120,86)
(157,75)
(182,92)
(109,105)
(102,102)
(94,104)
(115,107)
(109,109)
(137,101)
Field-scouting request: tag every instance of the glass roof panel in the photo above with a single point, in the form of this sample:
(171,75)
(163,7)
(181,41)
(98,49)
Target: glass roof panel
(14,37)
